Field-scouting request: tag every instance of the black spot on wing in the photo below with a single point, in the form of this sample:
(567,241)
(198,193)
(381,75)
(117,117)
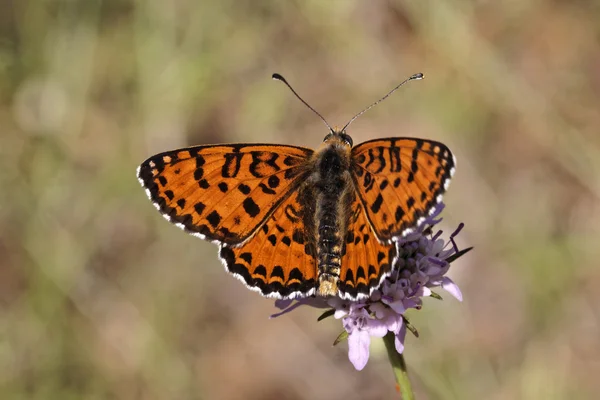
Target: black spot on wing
(298,236)
(247,257)
(213,218)
(245,189)
(199,207)
(273,181)
(232,164)
(296,274)
(349,278)
(360,273)
(266,189)
(199,159)
(261,270)
(399,213)
(377,204)
(251,207)
(277,272)
(372,270)
(204,184)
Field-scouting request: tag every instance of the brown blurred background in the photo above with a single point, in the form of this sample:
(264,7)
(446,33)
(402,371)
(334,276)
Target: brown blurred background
(100,298)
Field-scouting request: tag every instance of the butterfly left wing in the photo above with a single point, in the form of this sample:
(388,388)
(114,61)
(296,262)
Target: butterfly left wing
(365,260)
(400,181)
(279,260)
(222,192)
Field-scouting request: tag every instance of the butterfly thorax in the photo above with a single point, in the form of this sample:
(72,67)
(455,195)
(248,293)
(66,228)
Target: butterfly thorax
(332,185)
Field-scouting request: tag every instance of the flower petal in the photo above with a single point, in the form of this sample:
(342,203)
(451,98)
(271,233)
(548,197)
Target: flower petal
(452,288)
(398,306)
(377,328)
(358,348)
(393,322)
(283,304)
(379,309)
(399,340)
(286,305)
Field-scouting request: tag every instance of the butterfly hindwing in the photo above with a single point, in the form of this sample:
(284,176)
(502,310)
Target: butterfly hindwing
(222,192)
(279,260)
(400,181)
(366,260)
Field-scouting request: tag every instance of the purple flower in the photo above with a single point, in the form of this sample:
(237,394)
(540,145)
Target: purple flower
(423,260)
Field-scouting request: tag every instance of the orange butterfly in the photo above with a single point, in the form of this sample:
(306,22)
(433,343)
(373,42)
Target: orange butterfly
(294,222)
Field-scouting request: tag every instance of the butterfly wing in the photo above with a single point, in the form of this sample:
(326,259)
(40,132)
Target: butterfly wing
(400,181)
(279,260)
(222,192)
(365,260)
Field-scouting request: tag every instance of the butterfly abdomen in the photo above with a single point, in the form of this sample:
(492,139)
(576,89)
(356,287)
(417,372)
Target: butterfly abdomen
(332,198)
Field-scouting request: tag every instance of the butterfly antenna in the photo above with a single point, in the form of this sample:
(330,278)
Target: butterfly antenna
(414,77)
(282,79)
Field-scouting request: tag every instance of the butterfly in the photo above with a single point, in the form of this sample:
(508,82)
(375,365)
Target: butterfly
(293,222)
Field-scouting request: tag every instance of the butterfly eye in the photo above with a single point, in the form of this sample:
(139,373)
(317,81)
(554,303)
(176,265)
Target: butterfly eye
(347,139)
(329,135)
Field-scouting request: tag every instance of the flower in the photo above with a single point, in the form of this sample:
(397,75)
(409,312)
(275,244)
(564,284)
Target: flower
(423,260)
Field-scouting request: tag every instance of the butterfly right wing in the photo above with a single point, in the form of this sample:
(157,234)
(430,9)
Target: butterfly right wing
(365,260)
(222,192)
(400,181)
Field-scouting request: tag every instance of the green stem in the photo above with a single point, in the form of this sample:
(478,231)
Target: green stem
(399,367)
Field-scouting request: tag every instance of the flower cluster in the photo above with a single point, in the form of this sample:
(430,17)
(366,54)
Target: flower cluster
(422,263)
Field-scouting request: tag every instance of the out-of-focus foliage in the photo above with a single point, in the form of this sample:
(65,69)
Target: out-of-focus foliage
(100,298)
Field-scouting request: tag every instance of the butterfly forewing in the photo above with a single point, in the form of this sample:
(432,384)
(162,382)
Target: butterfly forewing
(222,192)
(279,260)
(400,181)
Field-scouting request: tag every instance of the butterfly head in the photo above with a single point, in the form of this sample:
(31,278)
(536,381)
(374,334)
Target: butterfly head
(335,136)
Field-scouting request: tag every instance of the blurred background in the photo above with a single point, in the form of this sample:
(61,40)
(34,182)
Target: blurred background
(100,298)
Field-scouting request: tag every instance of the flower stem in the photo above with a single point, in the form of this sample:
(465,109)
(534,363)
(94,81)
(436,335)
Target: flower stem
(399,367)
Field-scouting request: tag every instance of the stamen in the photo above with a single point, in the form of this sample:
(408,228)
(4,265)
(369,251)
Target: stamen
(454,244)
(457,231)
(437,261)
(287,310)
